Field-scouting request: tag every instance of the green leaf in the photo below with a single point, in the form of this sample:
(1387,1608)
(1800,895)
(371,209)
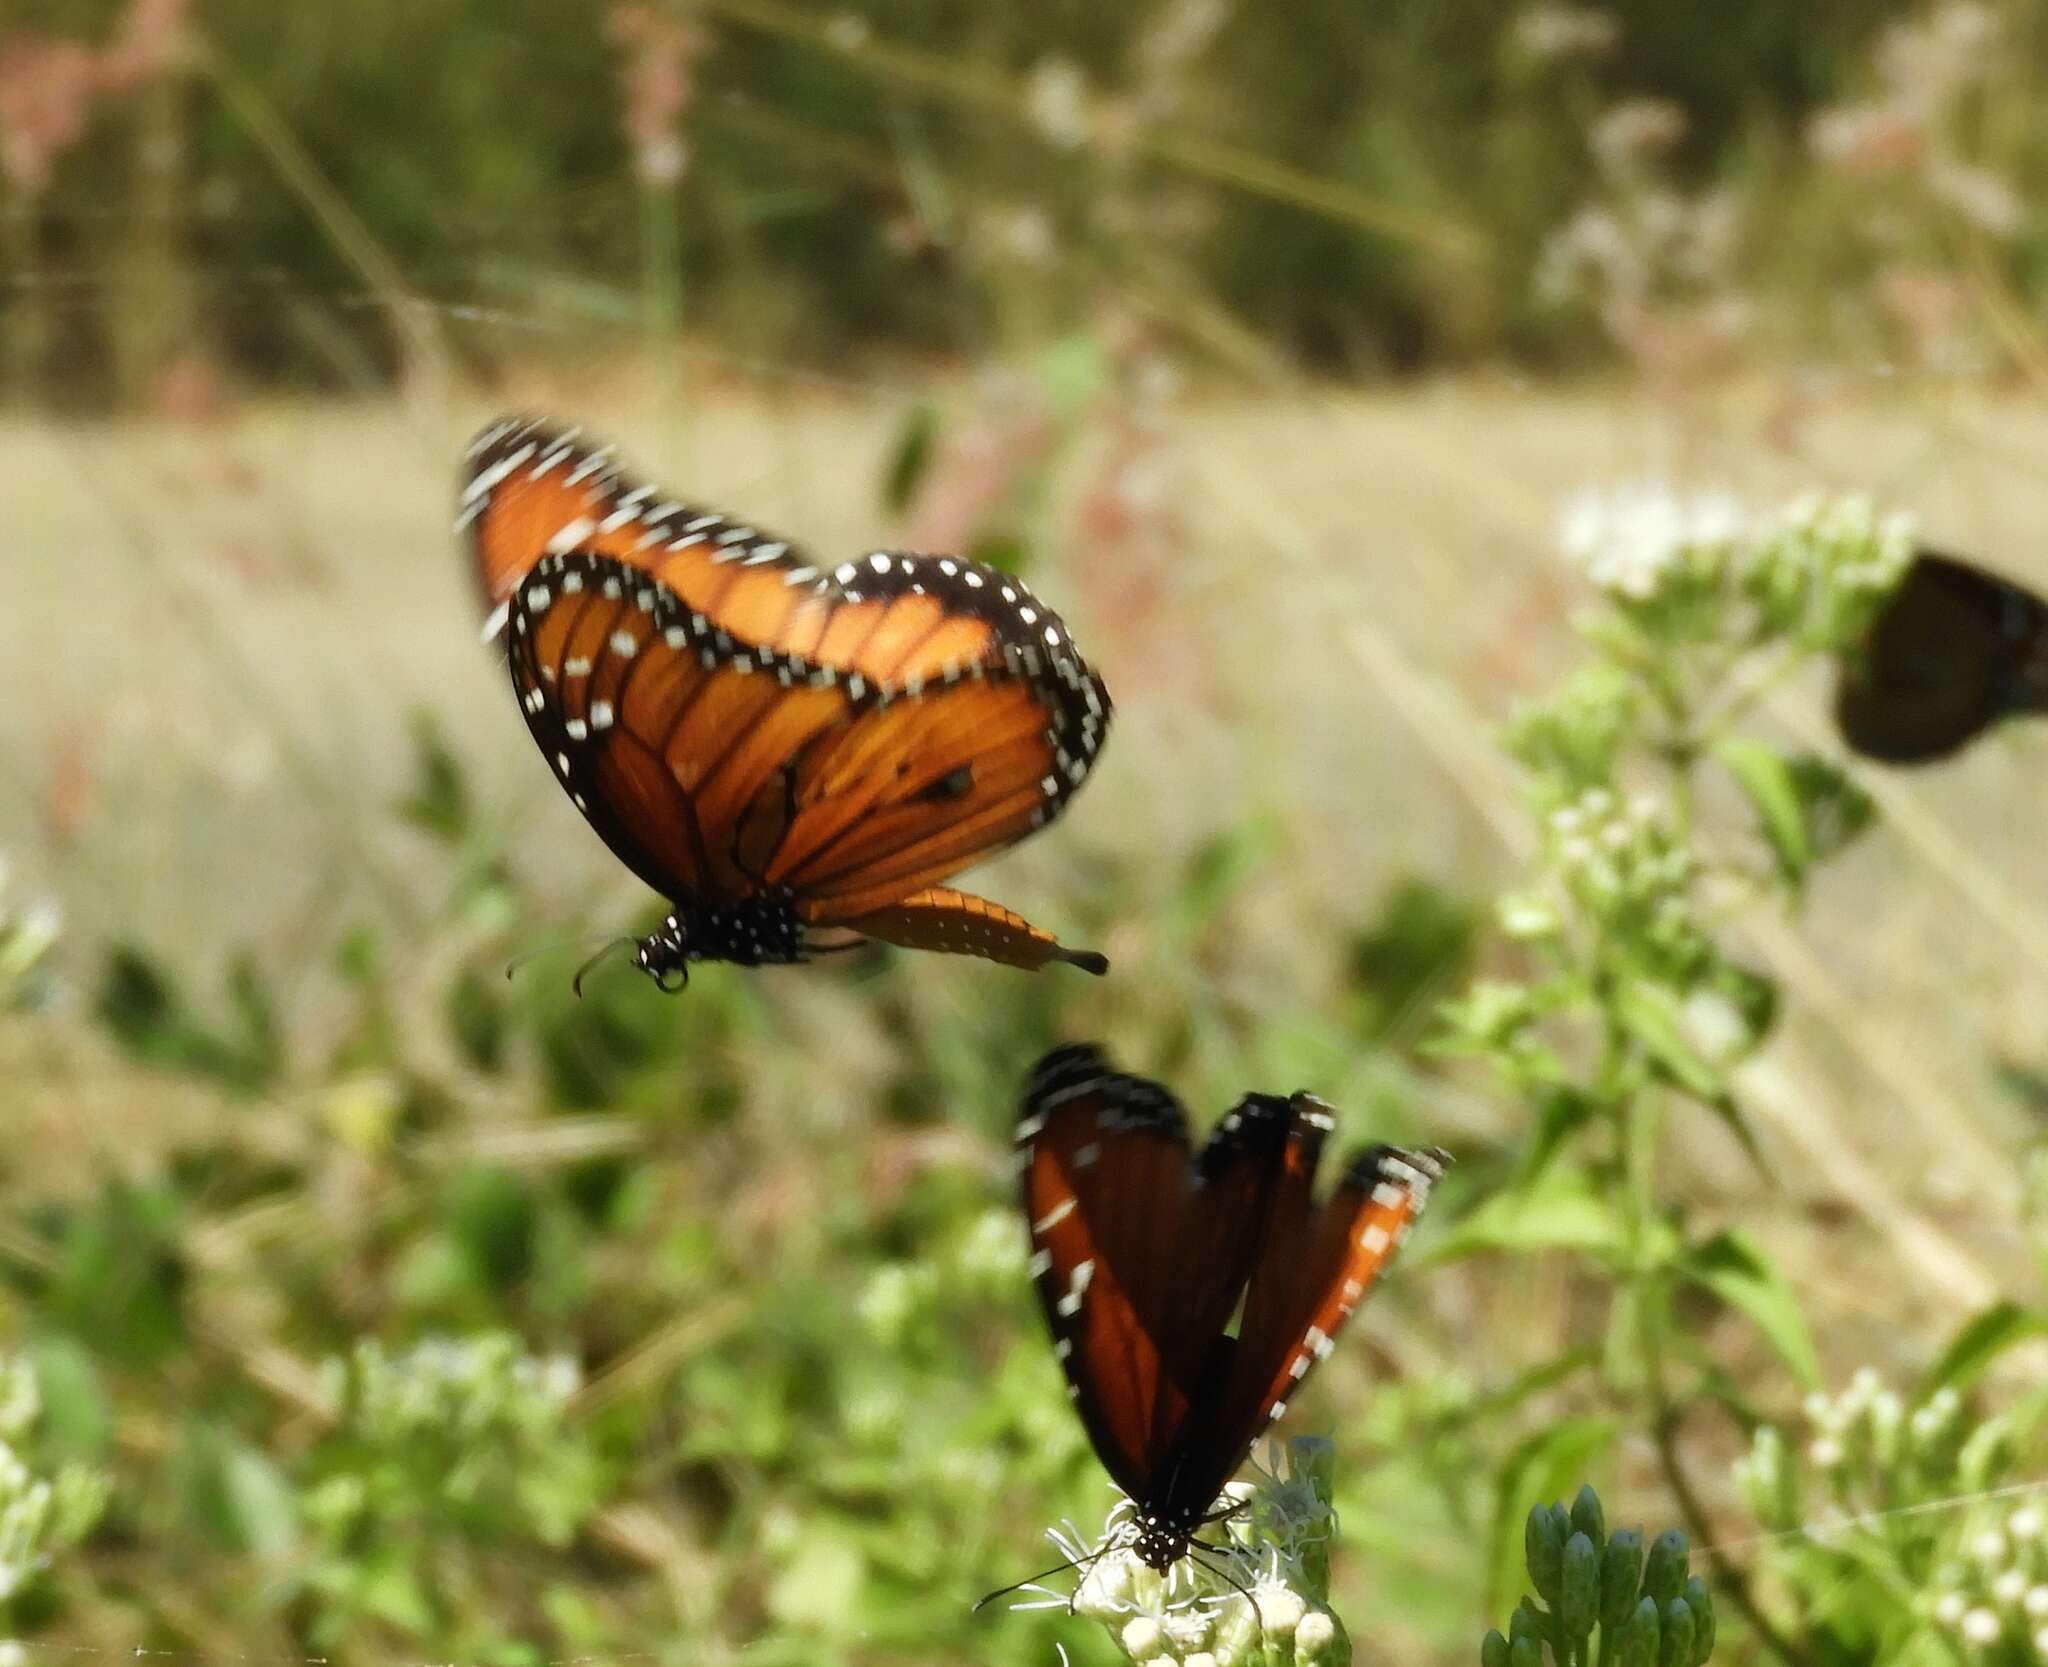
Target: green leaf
(439,803)
(259,1502)
(1421,940)
(1985,1336)
(76,1411)
(910,456)
(1737,1271)
(1557,1210)
(1835,806)
(149,1017)
(1563,1111)
(1649,1013)
(1548,1464)
(1766,776)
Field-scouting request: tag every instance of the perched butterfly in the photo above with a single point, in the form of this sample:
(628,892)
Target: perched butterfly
(1145,1253)
(775,747)
(1953,650)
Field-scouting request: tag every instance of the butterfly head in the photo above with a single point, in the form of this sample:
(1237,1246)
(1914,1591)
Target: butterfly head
(665,955)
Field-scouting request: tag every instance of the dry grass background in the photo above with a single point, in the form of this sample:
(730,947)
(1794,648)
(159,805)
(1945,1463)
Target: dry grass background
(217,635)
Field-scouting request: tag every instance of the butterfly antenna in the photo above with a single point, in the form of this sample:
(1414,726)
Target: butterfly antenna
(1216,1559)
(576,982)
(526,956)
(1077,1563)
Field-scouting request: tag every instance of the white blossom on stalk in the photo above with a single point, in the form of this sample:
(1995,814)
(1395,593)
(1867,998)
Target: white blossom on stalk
(1629,538)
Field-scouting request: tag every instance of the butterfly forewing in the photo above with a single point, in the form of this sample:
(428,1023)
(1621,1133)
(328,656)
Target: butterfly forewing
(571,682)
(897,621)
(1105,1175)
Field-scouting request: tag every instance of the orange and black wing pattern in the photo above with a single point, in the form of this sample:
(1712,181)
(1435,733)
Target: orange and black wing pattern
(1106,1178)
(890,620)
(1145,1255)
(1953,650)
(735,776)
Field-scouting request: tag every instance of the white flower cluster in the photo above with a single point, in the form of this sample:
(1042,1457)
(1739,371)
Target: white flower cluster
(1994,1600)
(452,1390)
(1255,1597)
(1819,568)
(1871,1455)
(39,1514)
(1812,572)
(1618,865)
(1632,538)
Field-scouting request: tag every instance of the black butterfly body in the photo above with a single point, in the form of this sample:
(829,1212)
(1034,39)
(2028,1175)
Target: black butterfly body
(1144,1253)
(1953,650)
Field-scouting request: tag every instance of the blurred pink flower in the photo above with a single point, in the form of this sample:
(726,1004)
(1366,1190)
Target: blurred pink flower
(146,44)
(46,91)
(663,48)
(48,84)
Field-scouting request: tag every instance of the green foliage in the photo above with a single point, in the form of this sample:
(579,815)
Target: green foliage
(906,174)
(1659,818)
(145,1012)
(48,1504)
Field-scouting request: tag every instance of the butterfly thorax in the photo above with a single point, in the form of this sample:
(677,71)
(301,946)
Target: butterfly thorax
(756,931)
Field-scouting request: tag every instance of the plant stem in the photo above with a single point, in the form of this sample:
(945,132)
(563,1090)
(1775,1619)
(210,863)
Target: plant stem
(1728,1576)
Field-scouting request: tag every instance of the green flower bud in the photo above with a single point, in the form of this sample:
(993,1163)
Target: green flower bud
(1493,1649)
(1637,1645)
(1701,1603)
(1621,1572)
(1588,1518)
(1674,1647)
(1664,1572)
(1543,1549)
(1528,1622)
(1525,1652)
(1578,1605)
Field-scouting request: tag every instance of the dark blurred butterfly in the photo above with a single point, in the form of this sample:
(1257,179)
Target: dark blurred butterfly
(1188,1294)
(1953,650)
(774,747)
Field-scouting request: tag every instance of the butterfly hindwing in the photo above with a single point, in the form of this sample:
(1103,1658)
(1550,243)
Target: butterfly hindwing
(1952,650)
(717,770)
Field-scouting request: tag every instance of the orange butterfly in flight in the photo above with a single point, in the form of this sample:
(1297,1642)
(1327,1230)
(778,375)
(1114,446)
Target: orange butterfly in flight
(775,746)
